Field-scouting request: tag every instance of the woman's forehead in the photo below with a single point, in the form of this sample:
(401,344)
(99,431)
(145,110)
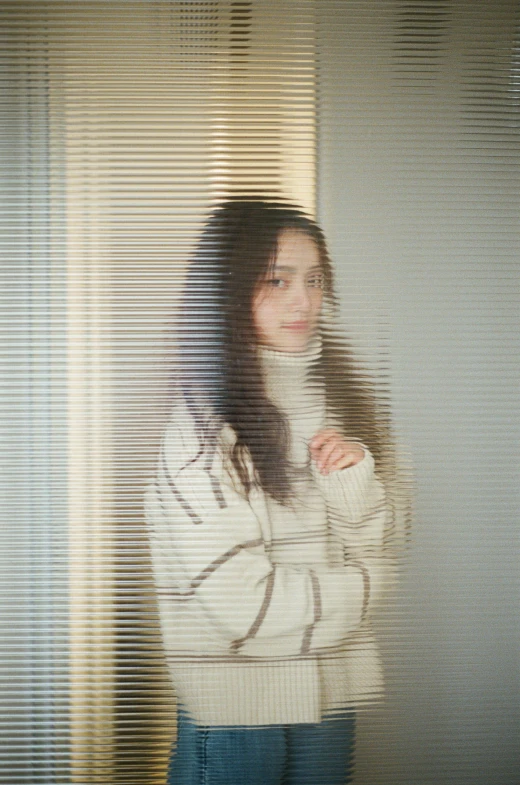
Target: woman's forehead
(296,250)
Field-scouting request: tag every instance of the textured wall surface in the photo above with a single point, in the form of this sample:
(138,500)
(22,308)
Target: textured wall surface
(419,194)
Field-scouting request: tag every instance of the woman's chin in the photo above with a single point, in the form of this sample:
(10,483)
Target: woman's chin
(290,342)
(294,344)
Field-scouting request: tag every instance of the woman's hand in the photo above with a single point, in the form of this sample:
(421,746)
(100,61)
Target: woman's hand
(332,452)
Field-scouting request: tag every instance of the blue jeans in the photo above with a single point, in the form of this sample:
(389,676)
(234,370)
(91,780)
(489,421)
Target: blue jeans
(305,754)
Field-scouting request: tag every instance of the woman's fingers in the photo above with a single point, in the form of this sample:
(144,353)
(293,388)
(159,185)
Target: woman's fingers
(331,452)
(322,436)
(334,460)
(322,443)
(346,459)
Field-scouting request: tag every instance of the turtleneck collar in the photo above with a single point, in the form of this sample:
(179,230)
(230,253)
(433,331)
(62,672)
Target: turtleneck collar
(273,358)
(286,376)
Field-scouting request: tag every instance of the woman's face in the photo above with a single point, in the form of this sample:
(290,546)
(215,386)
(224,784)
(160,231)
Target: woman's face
(287,302)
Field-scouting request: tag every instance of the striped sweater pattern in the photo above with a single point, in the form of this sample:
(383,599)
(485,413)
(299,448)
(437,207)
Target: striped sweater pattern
(265,608)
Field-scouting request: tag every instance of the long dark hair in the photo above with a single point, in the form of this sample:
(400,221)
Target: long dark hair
(218,354)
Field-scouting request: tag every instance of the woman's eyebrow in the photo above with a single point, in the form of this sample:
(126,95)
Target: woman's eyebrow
(287,268)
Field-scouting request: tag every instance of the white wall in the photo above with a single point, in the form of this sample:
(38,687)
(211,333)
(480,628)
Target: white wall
(418,181)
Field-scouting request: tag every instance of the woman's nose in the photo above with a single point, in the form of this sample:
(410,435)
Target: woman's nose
(300,296)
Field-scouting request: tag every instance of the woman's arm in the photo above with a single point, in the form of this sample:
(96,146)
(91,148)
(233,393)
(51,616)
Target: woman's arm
(345,473)
(360,512)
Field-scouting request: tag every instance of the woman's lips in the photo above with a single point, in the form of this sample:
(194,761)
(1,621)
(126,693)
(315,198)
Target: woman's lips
(296,326)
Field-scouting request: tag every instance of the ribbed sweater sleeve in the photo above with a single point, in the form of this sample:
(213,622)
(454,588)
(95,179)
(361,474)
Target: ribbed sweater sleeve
(207,546)
(356,503)
(360,516)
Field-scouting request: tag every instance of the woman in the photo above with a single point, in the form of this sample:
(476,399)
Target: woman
(268,523)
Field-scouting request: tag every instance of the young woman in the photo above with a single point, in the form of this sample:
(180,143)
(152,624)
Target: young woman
(268,517)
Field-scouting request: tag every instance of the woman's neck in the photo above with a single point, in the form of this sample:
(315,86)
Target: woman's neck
(311,352)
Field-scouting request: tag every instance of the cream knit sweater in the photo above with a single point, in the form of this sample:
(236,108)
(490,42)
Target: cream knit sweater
(264,608)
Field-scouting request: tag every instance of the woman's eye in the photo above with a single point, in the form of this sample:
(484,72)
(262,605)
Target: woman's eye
(276,283)
(316,282)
